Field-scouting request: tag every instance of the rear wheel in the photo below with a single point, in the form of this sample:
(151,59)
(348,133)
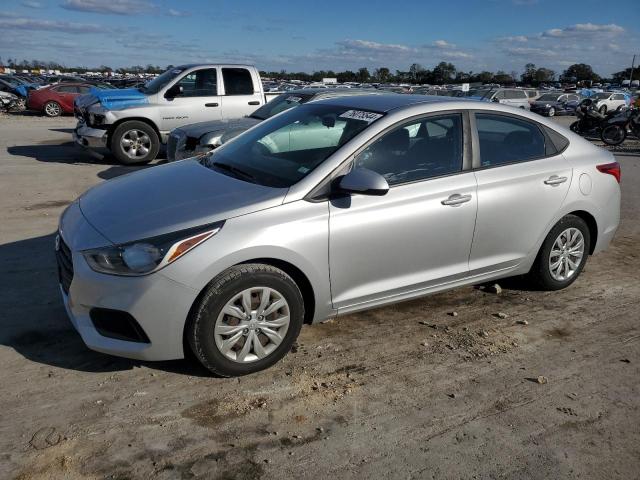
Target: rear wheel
(52,109)
(246,321)
(135,142)
(562,255)
(613,134)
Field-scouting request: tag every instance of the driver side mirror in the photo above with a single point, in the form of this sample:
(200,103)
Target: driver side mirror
(174,91)
(364,182)
(495,99)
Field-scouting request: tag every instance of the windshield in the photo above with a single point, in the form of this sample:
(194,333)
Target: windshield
(282,151)
(548,97)
(601,96)
(280,104)
(161,81)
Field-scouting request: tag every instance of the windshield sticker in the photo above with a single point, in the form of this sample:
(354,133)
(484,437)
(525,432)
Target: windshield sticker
(361,115)
(303,170)
(294,99)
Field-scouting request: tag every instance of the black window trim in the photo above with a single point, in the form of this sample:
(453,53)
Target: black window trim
(318,193)
(477,160)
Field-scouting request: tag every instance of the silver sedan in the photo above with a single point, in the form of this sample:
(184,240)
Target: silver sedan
(330,208)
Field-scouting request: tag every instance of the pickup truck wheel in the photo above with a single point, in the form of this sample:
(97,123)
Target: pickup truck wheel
(134,143)
(52,109)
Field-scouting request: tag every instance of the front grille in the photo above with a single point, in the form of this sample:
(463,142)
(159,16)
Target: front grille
(65,264)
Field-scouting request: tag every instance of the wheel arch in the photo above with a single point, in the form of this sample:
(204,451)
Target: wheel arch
(591,224)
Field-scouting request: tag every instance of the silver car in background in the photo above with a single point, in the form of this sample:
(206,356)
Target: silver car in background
(391,197)
(199,138)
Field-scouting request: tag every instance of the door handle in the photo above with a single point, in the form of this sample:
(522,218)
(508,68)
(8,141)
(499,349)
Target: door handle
(456,200)
(254,102)
(211,105)
(555,180)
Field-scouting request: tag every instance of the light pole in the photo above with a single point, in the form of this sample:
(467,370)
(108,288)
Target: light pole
(633,64)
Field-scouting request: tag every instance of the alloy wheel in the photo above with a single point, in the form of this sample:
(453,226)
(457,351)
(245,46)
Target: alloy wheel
(52,109)
(252,324)
(135,144)
(566,254)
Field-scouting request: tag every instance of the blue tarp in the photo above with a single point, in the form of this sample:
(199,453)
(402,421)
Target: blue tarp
(114,99)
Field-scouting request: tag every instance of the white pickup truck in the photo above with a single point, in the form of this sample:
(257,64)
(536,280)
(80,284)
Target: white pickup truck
(132,123)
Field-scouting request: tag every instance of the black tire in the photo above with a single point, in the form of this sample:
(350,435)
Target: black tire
(552,112)
(540,273)
(201,324)
(603,109)
(115,144)
(575,127)
(613,134)
(52,109)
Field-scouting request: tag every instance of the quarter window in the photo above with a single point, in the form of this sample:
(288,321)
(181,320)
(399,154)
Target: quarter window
(426,148)
(67,89)
(201,83)
(237,81)
(506,139)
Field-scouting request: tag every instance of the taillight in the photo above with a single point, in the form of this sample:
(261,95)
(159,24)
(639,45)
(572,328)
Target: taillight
(611,169)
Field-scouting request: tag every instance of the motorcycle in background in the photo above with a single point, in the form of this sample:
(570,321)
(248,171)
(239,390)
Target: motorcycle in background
(590,120)
(616,128)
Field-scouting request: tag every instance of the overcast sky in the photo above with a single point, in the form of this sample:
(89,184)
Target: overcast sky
(308,35)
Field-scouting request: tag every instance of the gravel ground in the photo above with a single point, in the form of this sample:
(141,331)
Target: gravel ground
(551,389)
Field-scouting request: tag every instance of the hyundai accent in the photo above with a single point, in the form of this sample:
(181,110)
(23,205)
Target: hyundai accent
(330,208)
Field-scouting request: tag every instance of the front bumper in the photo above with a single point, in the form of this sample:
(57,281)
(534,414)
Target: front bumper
(88,137)
(158,304)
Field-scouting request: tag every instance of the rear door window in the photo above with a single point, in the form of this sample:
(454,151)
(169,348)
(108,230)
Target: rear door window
(67,89)
(505,139)
(237,81)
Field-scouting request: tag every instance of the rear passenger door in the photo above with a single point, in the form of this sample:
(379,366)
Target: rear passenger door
(66,96)
(522,182)
(241,95)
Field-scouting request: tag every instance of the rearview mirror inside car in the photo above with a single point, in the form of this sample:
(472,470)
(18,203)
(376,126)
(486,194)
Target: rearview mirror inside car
(364,182)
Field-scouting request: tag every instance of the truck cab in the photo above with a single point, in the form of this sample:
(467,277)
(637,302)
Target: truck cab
(133,123)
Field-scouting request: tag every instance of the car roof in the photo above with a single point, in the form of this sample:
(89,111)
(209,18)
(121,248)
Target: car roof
(390,101)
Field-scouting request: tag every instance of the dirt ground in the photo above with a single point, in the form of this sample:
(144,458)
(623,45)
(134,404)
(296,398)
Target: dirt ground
(409,391)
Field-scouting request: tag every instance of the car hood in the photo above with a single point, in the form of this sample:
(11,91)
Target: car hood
(117,99)
(169,198)
(197,130)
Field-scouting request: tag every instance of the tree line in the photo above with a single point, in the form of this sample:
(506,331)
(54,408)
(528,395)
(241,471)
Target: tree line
(442,73)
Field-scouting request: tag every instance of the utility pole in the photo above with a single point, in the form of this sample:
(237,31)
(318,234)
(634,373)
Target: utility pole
(633,64)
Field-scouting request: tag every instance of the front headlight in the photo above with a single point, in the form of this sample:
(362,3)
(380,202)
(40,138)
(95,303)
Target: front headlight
(149,255)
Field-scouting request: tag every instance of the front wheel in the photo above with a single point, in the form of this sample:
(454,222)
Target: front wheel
(613,134)
(247,320)
(552,112)
(562,255)
(603,109)
(135,142)
(575,127)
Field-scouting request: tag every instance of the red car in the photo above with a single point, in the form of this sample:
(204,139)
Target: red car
(56,99)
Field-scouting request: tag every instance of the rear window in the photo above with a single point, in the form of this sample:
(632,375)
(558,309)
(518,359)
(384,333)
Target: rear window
(237,81)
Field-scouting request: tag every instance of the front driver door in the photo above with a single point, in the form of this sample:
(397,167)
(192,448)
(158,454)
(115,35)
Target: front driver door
(416,236)
(198,102)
